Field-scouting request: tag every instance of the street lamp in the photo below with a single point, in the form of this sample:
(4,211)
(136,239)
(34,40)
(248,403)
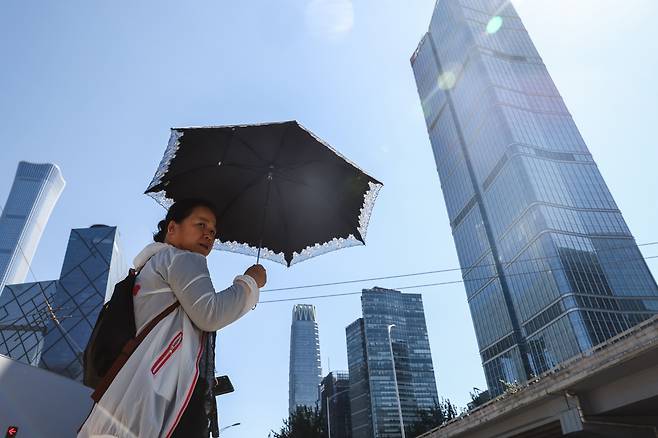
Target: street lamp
(328,417)
(226,427)
(395,380)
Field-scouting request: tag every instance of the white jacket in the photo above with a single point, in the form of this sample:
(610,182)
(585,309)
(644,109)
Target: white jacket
(151,391)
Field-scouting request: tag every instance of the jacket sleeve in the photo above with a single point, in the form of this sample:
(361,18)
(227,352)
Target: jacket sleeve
(189,279)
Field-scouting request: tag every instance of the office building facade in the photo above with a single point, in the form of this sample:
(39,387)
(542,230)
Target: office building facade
(93,264)
(374,372)
(305,366)
(549,264)
(335,403)
(33,196)
(26,311)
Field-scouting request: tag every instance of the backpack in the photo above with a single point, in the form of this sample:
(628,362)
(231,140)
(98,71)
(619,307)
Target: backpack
(114,337)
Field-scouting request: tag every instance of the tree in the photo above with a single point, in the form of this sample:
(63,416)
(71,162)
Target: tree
(305,422)
(433,417)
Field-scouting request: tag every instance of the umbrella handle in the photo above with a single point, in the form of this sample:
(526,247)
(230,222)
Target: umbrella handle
(262,223)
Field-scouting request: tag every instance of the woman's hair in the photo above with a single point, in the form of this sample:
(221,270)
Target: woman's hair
(178,212)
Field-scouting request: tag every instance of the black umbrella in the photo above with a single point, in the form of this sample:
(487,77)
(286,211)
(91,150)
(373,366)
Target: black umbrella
(276,186)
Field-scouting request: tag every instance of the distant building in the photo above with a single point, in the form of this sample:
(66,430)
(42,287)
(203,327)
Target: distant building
(549,264)
(33,196)
(25,313)
(373,372)
(93,264)
(305,365)
(335,403)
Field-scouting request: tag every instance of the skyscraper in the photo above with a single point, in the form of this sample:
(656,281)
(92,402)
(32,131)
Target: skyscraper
(25,312)
(305,366)
(33,196)
(93,264)
(335,403)
(549,264)
(374,372)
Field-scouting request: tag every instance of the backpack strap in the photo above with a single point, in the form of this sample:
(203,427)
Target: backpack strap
(127,351)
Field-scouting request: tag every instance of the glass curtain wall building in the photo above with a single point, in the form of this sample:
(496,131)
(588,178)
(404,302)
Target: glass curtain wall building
(373,372)
(25,312)
(305,366)
(33,196)
(335,393)
(357,359)
(549,264)
(93,264)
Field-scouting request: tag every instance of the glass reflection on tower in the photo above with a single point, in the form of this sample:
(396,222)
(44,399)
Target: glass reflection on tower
(549,264)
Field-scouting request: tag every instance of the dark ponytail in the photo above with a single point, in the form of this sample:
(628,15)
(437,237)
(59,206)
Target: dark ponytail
(162,231)
(178,212)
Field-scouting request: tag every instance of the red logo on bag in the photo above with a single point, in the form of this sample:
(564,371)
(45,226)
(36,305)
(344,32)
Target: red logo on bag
(136,289)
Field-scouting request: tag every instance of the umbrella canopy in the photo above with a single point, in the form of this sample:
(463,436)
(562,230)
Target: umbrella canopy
(276,186)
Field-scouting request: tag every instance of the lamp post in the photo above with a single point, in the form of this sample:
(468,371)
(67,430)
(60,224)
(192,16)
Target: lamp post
(395,380)
(229,426)
(328,417)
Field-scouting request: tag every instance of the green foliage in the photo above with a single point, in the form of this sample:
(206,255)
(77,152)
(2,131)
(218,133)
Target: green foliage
(429,419)
(305,422)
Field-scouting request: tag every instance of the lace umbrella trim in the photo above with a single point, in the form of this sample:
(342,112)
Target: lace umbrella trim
(308,252)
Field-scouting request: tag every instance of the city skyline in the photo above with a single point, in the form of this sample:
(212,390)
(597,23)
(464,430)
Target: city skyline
(48,323)
(356,90)
(390,364)
(550,266)
(93,264)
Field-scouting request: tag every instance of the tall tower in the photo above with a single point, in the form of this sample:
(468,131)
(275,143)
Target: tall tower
(93,264)
(305,366)
(549,264)
(374,372)
(33,196)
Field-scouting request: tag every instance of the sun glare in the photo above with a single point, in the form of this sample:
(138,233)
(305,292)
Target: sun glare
(494,24)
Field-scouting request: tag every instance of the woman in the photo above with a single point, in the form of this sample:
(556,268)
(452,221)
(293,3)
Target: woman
(165,388)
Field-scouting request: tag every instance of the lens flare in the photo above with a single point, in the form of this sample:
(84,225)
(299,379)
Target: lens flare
(447,80)
(494,24)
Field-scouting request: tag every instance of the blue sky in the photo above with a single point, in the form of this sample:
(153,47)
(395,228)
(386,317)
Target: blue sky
(95,86)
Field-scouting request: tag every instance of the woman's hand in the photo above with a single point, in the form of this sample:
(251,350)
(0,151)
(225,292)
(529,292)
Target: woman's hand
(258,273)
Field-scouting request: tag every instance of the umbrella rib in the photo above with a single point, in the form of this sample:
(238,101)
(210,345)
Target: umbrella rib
(230,204)
(345,220)
(294,166)
(282,213)
(185,172)
(249,146)
(244,166)
(281,143)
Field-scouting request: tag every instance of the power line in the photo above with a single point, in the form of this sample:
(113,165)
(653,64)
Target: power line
(438,271)
(443,283)
(39,312)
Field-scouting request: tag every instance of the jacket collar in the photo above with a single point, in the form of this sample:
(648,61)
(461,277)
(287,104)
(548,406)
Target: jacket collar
(149,251)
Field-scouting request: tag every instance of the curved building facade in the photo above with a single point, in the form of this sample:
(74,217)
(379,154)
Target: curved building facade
(33,196)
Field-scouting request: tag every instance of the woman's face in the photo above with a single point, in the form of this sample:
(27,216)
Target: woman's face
(195,233)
